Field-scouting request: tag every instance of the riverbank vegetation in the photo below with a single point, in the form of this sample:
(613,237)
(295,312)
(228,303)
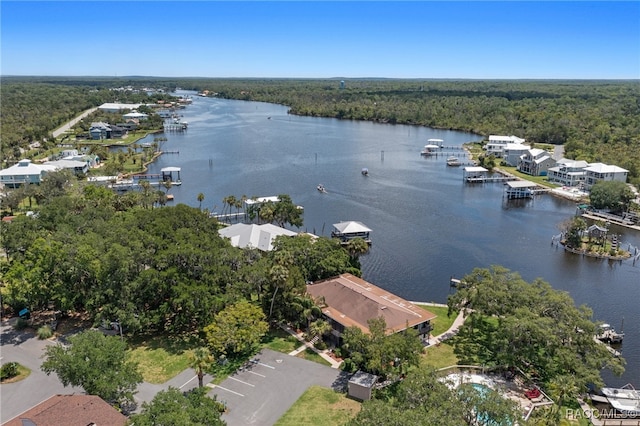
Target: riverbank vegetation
(594,120)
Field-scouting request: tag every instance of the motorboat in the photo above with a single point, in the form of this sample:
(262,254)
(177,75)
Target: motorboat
(430,149)
(608,334)
(453,161)
(321,188)
(625,399)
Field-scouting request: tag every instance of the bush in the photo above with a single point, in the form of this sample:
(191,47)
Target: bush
(44,332)
(9,370)
(320,345)
(21,324)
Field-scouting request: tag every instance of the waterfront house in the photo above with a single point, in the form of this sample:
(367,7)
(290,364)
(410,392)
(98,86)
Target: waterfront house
(497,143)
(512,152)
(75,166)
(25,172)
(70,410)
(597,172)
(535,162)
(347,301)
(568,172)
(260,237)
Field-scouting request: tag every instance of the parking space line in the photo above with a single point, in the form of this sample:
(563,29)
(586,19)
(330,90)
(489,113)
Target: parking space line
(264,365)
(257,374)
(228,390)
(244,383)
(187,382)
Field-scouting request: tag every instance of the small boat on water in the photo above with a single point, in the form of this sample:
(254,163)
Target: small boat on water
(625,399)
(365,172)
(453,162)
(321,188)
(608,334)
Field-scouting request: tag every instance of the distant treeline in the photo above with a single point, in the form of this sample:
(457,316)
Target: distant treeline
(594,120)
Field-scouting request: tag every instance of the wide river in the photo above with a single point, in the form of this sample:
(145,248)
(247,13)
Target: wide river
(428,225)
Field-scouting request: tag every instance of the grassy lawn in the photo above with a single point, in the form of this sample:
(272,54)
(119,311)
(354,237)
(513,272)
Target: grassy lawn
(540,180)
(310,355)
(439,356)
(160,358)
(320,406)
(442,322)
(23,373)
(280,341)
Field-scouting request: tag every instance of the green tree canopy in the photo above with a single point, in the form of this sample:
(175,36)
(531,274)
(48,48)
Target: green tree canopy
(612,195)
(173,407)
(97,363)
(381,353)
(530,326)
(237,329)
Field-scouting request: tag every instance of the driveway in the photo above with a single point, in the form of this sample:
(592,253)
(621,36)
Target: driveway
(27,349)
(272,381)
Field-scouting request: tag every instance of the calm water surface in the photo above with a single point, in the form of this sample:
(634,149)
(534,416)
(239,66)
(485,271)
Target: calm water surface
(427,224)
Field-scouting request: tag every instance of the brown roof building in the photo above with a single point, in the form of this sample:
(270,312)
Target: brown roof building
(70,410)
(351,301)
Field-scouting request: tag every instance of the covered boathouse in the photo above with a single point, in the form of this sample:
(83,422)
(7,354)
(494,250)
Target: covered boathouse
(349,230)
(519,189)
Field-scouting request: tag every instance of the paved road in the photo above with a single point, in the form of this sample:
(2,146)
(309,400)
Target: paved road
(72,123)
(27,349)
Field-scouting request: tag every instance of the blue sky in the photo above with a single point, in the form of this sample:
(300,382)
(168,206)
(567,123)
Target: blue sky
(416,39)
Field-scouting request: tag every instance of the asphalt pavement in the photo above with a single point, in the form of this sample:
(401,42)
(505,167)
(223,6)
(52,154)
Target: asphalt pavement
(25,347)
(260,393)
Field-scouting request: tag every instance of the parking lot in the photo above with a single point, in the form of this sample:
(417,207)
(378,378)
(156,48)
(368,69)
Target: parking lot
(270,383)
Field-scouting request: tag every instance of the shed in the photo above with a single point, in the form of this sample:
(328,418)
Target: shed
(361,384)
(595,231)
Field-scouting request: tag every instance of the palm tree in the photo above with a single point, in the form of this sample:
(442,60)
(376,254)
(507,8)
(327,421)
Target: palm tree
(167,185)
(319,328)
(200,199)
(200,359)
(563,388)
(357,247)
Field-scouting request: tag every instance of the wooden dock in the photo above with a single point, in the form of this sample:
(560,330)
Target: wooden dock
(455,282)
(490,179)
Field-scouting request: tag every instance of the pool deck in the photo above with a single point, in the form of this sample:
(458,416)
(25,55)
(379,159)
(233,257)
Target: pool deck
(512,389)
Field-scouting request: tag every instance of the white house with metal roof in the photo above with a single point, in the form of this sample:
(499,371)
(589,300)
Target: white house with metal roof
(25,172)
(261,237)
(497,143)
(568,172)
(596,172)
(512,152)
(76,166)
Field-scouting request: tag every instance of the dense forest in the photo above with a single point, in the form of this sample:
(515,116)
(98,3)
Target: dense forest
(166,269)
(594,120)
